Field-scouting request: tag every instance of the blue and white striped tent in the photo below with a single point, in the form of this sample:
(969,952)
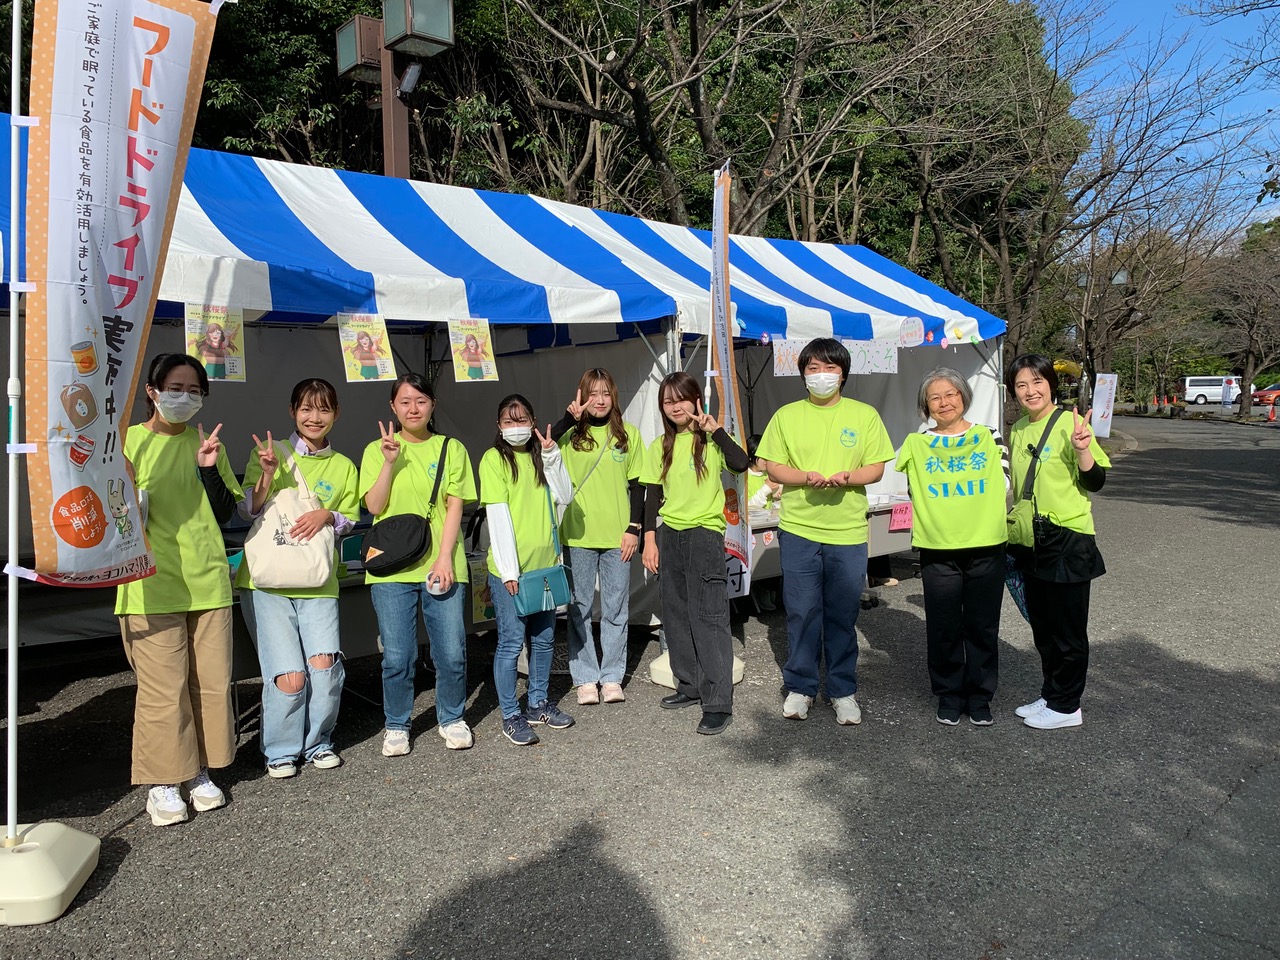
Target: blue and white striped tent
(311,242)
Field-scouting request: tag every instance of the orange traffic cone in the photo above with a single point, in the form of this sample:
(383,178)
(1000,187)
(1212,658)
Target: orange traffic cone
(1271,413)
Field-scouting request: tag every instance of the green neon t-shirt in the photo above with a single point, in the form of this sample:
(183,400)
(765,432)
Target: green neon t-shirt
(957,489)
(687,501)
(412,477)
(332,478)
(191,557)
(1057,490)
(527,501)
(601,508)
(847,435)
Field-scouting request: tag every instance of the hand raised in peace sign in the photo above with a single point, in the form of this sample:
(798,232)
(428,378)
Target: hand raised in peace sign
(576,406)
(207,454)
(1082,434)
(390,442)
(267,458)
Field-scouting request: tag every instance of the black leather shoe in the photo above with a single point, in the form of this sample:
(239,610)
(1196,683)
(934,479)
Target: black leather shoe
(678,700)
(713,723)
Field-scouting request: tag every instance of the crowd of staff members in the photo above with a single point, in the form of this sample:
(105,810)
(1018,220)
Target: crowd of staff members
(587,493)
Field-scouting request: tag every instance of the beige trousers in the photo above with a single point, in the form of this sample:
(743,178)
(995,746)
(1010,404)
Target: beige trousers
(183,718)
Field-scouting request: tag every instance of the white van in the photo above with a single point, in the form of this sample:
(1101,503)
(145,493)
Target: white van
(1209,389)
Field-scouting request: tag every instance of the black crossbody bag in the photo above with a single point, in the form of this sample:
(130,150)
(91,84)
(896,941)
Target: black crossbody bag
(398,542)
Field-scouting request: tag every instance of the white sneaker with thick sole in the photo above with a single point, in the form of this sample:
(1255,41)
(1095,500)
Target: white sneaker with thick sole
(457,735)
(1048,719)
(166,806)
(395,743)
(848,713)
(205,794)
(1027,709)
(796,706)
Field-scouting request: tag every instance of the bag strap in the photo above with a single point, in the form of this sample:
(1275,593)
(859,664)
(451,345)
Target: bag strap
(435,488)
(292,463)
(555,531)
(603,447)
(1029,482)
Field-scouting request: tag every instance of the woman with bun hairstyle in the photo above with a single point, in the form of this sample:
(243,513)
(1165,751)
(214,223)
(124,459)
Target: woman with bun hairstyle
(176,624)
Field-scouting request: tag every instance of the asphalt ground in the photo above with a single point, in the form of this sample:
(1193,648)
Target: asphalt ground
(1151,831)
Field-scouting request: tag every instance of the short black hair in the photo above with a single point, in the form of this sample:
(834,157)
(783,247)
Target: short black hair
(1039,364)
(415,380)
(315,390)
(826,350)
(163,365)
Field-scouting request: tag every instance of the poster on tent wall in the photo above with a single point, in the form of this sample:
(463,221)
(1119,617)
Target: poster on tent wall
(115,85)
(472,349)
(215,336)
(737,534)
(366,351)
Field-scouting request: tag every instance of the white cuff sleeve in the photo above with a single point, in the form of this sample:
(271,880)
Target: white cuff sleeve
(557,476)
(502,541)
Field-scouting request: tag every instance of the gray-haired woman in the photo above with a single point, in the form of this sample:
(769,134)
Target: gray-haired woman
(957,487)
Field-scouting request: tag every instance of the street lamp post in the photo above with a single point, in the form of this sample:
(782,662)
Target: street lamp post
(382,51)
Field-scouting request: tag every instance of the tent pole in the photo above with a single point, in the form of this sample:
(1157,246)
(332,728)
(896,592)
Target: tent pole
(649,346)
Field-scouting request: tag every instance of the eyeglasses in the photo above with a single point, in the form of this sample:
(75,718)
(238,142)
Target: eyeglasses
(177,393)
(952,395)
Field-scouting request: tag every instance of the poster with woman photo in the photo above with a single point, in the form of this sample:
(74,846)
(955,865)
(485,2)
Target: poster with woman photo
(366,352)
(215,335)
(472,349)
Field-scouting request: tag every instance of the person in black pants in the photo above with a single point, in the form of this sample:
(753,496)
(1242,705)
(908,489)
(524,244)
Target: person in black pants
(957,484)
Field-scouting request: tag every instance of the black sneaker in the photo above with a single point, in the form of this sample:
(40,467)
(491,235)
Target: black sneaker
(948,716)
(981,716)
(679,700)
(714,723)
(549,714)
(517,730)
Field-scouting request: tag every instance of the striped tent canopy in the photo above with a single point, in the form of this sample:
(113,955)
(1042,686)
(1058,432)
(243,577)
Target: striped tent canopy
(312,242)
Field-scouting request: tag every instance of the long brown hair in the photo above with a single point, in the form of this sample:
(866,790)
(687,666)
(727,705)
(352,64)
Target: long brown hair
(682,387)
(581,437)
(508,453)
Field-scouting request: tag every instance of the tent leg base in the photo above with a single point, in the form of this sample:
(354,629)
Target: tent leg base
(42,873)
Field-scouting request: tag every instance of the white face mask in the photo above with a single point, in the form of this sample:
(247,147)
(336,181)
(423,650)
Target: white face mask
(517,436)
(178,409)
(822,385)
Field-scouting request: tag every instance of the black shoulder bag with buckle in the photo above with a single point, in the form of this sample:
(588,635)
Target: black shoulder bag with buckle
(399,541)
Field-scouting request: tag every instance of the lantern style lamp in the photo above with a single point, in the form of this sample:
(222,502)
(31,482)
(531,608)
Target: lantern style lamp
(420,28)
(360,49)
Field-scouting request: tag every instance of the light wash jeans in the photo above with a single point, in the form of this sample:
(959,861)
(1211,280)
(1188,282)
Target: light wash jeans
(289,633)
(397,607)
(541,629)
(584,564)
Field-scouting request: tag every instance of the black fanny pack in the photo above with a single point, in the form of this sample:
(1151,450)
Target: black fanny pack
(397,542)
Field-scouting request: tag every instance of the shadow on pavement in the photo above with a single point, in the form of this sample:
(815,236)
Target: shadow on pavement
(1236,485)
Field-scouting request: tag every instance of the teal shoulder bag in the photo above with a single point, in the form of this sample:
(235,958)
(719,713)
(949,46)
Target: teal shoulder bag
(547,588)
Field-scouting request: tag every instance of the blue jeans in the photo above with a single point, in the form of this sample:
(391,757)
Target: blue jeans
(397,606)
(289,633)
(822,590)
(584,564)
(541,628)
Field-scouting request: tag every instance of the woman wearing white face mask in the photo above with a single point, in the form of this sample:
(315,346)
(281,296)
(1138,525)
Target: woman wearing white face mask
(519,480)
(176,624)
(824,450)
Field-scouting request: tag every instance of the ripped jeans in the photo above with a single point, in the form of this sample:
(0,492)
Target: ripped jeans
(289,634)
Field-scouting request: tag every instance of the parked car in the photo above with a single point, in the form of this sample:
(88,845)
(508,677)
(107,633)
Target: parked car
(1209,389)
(1266,396)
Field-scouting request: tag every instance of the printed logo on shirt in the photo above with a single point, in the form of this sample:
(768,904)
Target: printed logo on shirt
(431,470)
(692,465)
(618,455)
(848,437)
(323,491)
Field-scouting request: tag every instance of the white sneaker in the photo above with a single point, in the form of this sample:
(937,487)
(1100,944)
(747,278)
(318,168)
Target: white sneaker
(848,713)
(457,735)
(166,806)
(1048,719)
(796,706)
(205,794)
(1027,709)
(395,743)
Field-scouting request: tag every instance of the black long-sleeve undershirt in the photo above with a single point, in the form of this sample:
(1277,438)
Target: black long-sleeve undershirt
(220,498)
(735,458)
(1093,478)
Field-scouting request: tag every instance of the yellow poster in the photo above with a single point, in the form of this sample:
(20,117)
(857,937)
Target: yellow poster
(366,352)
(215,335)
(472,349)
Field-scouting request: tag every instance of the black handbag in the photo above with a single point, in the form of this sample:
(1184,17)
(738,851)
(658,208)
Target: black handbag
(397,542)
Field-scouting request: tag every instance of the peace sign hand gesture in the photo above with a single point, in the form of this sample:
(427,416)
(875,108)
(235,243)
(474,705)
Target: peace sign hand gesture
(390,442)
(576,406)
(1081,436)
(207,454)
(267,458)
(545,439)
(706,422)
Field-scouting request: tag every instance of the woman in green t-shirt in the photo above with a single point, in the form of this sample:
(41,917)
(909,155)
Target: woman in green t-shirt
(1069,465)
(681,474)
(176,624)
(601,531)
(296,629)
(957,490)
(521,481)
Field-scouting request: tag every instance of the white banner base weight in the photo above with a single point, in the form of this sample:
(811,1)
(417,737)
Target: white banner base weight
(41,875)
(660,670)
